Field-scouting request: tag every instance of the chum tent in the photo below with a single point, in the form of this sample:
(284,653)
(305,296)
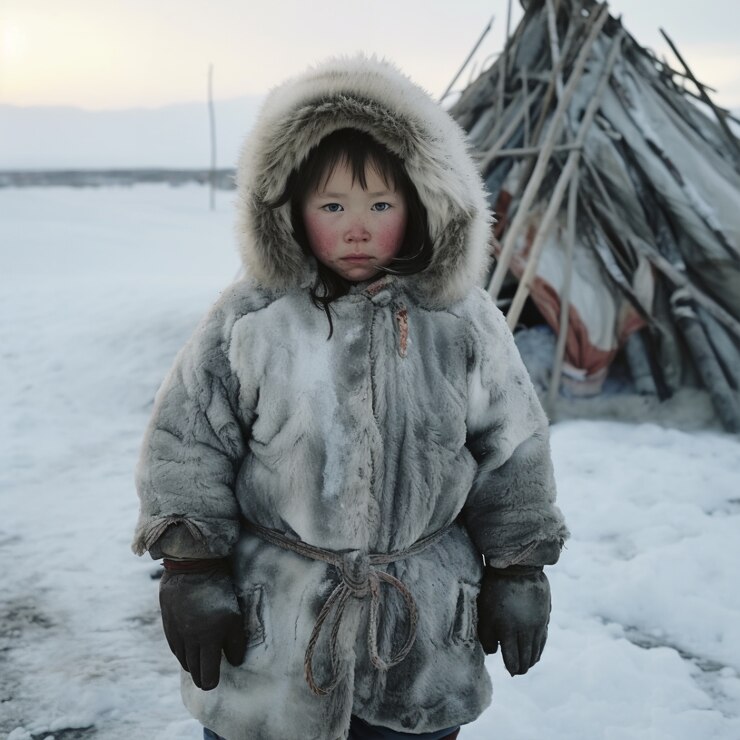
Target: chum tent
(616,187)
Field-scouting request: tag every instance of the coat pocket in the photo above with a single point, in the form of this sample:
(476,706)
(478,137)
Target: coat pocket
(253,606)
(464,628)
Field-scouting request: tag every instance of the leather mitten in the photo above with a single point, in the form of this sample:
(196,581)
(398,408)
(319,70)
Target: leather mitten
(201,617)
(514,611)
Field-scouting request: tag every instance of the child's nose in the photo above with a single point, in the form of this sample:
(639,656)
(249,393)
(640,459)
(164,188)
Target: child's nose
(357,231)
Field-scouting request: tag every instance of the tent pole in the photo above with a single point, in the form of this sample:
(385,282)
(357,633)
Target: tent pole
(478,95)
(666,68)
(502,71)
(212,122)
(532,150)
(723,124)
(681,281)
(467,60)
(525,86)
(557,195)
(507,134)
(555,53)
(725,402)
(674,274)
(620,258)
(723,111)
(726,350)
(557,366)
(552,32)
(574,25)
(540,169)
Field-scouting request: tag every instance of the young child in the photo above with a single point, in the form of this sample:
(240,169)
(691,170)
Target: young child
(347,471)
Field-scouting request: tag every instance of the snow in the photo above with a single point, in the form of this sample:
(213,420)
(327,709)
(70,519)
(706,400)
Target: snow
(99,288)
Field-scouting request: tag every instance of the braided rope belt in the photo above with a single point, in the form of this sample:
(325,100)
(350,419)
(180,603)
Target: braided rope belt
(359,578)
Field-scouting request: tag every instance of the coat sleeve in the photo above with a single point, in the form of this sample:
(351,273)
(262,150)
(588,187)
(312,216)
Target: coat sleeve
(193,447)
(510,511)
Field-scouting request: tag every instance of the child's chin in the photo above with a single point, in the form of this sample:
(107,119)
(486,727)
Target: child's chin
(358,274)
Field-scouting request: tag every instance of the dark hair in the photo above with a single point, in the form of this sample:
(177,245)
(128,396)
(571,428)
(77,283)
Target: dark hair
(358,149)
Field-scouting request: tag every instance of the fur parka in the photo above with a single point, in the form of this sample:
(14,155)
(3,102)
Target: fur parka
(417,415)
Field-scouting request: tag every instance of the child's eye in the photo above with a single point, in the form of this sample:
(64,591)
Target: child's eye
(380,207)
(332,207)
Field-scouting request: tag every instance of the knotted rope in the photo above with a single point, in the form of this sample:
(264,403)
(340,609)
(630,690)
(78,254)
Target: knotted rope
(359,578)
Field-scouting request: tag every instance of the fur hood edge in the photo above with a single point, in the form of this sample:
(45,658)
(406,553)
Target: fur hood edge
(374,96)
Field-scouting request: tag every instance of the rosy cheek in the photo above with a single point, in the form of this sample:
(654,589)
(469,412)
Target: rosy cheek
(320,237)
(390,237)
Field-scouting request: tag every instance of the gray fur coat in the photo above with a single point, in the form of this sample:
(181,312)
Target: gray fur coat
(417,415)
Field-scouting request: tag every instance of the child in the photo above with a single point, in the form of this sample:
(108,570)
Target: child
(348,434)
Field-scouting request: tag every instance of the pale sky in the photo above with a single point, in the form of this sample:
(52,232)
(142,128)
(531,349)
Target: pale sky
(109,54)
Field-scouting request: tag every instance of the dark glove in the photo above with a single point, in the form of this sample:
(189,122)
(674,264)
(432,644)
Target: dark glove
(514,610)
(201,617)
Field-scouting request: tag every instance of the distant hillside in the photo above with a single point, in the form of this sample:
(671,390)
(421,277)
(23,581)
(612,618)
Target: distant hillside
(175,136)
(223,179)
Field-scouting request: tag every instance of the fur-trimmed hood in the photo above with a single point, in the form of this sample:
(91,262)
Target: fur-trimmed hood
(374,96)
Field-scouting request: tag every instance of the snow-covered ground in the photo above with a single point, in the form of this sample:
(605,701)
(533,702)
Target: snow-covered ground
(98,290)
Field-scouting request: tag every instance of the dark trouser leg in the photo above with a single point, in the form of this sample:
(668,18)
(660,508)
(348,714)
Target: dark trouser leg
(361,730)
(211,735)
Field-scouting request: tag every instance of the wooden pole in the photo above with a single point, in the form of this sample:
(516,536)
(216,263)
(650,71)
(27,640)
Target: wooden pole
(735,146)
(530,151)
(723,111)
(552,32)
(724,400)
(576,25)
(557,196)
(667,69)
(722,344)
(678,278)
(504,61)
(212,120)
(673,269)
(508,30)
(525,86)
(467,59)
(557,365)
(540,168)
(493,152)
(606,199)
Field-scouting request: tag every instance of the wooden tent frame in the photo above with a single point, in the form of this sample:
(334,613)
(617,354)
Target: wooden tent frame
(520,111)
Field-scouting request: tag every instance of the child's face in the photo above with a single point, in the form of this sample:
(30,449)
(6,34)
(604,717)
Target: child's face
(351,230)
